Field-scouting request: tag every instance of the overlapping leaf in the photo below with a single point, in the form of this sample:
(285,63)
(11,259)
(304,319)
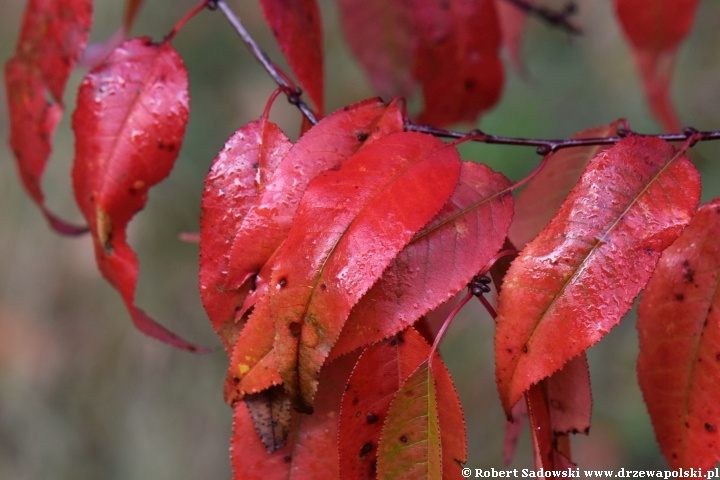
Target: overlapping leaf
(512,24)
(129,125)
(297,26)
(237,177)
(438,263)
(424,433)
(569,397)
(655,29)
(538,202)
(576,280)
(679,327)
(349,226)
(52,37)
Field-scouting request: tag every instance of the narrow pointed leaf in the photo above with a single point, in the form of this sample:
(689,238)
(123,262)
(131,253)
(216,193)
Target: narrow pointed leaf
(129,124)
(297,27)
(379,373)
(52,38)
(513,428)
(541,434)
(512,24)
(237,177)
(679,328)
(349,226)
(457,59)
(538,202)
(438,263)
(381,36)
(655,29)
(569,397)
(576,280)
(325,146)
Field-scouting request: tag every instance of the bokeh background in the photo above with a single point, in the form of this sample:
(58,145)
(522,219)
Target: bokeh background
(83,395)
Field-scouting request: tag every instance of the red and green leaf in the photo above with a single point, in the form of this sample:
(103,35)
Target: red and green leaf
(349,226)
(439,261)
(576,280)
(53,35)
(679,329)
(129,125)
(655,29)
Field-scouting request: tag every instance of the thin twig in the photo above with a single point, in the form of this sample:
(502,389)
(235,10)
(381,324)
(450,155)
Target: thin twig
(552,17)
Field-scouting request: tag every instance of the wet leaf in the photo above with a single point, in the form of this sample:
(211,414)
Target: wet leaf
(238,176)
(349,226)
(576,280)
(438,263)
(129,124)
(297,27)
(52,38)
(271,414)
(679,329)
(655,29)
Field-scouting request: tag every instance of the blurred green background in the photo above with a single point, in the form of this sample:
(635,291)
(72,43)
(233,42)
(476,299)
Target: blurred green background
(83,395)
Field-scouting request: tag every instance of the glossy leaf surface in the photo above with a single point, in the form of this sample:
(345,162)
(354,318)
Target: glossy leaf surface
(297,27)
(237,177)
(679,328)
(655,29)
(438,263)
(538,202)
(52,38)
(129,124)
(576,280)
(349,226)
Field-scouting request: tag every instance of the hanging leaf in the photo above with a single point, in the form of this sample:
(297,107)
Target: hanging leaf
(129,124)
(569,397)
(96,53)
(438,263)
(424,434)
(679,328)
(513,428)
(541,434)
(53,35)
(576,280)
(349,226)
(540,199)
(297,27)
(381,36)
(271,414)
(512,24)
(655,29)
(457,59)
(236,179)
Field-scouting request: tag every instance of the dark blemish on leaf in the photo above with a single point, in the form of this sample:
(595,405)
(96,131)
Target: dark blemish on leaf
(323,287)
(170,148)
(689,275)
(236,380)
(648,251)
(393,342)
(403,439)
(256,166)
(282,283)
(148,42)
(709,427)
(357,415)
(679,297)
(287,458)
(373,466)
(687,425)
(400,338)
(371,418)
(674,455)
(445,5)
(366,448)
(362,136)
(717,357)
(295,329)
(346,109)
(555,404)
(355,400)
(469,84)
(525,349)
(347,387)
(717,211)
(705,323)
(686,263)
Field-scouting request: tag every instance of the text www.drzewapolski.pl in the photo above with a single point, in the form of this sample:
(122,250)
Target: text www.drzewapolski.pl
(577,473)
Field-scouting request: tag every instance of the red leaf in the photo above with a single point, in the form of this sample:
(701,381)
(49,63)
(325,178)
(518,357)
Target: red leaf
(349,226)
(132,7)
(512,23)
(538,202)
(312,449)
(378,374)
(96,53)
(52,38)
(655,29)
(238,176)
(438,263)
(457,59)
(513,428)
(679,327)
(129,124)
(570,397)
(541,434)
(325,146)
(381,36)
(576,280)
(297,27)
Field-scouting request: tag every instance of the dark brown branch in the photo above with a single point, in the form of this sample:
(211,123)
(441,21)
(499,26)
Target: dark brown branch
(556,19)
(544,146)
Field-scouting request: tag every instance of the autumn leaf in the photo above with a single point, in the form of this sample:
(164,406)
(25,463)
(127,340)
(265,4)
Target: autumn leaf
(349,226)
(513,429)
(679,329)
(53,35)
(271,413)
(96,53)
(512,24)
(438,263)
(569,397)
(655,29)
(129,124)
(576,280)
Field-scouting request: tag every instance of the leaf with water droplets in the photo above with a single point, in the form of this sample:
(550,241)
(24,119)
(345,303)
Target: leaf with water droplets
(576,280)
(679,329)
(129,125)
